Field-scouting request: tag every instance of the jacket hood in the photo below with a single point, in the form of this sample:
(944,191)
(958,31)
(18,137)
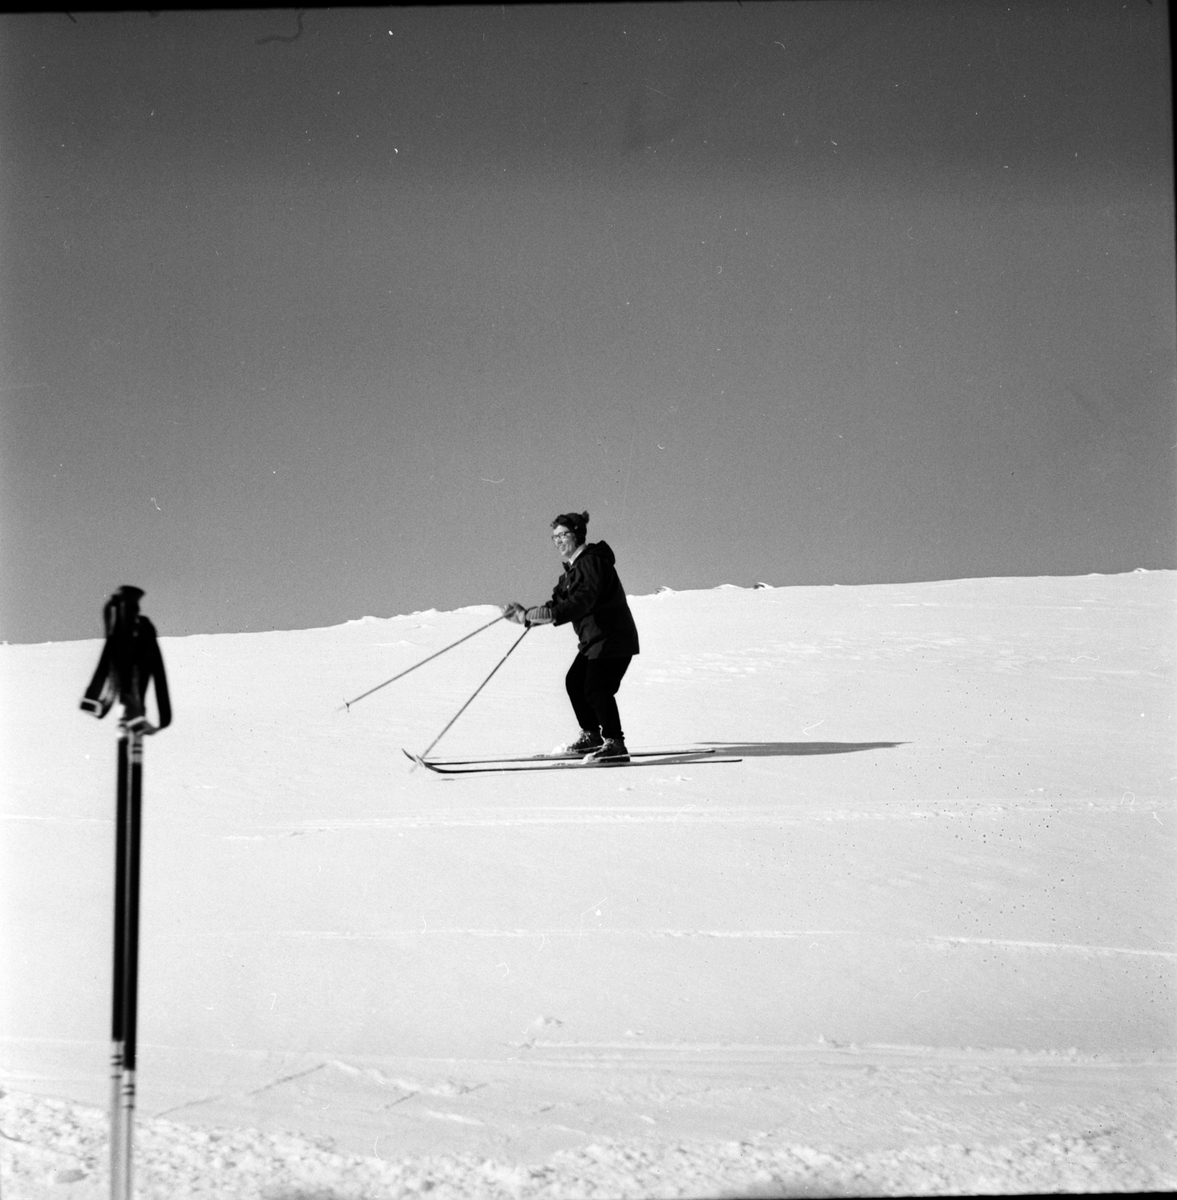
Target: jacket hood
(598,550)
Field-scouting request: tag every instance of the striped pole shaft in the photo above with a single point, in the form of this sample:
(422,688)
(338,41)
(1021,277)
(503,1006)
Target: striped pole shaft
(117,1014)
(125,987)
(131,970)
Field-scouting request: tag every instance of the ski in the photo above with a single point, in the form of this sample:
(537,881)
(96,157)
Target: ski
(542,758)
(645,759)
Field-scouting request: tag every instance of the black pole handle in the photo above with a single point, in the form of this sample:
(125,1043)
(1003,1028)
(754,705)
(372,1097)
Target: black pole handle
(130,661)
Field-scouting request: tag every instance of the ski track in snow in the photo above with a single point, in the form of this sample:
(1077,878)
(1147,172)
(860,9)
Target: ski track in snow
(689,814)
(933,941)
(653,815)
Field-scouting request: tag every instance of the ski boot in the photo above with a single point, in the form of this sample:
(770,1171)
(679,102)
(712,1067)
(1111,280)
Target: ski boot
(610,750)
(589,739)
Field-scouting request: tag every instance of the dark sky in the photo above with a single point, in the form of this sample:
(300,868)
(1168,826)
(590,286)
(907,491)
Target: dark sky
(306,318)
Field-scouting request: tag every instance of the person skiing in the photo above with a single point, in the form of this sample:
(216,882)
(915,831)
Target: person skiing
(590,595)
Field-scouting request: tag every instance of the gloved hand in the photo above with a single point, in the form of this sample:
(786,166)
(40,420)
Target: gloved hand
(514,612)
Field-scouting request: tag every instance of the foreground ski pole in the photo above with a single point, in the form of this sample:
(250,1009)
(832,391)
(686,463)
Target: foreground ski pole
(130,661)
(348,703)
(478,689)
(124,1009)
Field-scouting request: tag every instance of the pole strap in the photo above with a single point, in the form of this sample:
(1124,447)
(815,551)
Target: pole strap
(130,661)
(478,689)
(348,703)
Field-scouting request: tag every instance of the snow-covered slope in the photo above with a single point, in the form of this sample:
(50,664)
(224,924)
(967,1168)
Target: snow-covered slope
(934,903)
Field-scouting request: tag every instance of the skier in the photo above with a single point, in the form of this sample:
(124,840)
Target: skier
(590,595)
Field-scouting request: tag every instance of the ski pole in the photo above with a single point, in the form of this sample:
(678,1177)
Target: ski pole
(348,703)
(118,1164)
(478,689)
(134,826)
(130,661)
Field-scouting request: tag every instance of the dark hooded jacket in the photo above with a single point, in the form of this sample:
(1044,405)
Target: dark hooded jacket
(590,595)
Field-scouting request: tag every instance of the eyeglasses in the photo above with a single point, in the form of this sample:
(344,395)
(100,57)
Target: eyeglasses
(559,537)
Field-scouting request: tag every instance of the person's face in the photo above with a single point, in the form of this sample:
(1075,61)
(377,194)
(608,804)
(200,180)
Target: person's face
(564,540)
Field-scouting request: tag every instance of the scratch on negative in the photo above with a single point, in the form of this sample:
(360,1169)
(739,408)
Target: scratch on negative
(580,929)
(1060,947)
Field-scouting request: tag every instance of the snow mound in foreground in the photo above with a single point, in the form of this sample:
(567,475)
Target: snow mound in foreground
(53,1143)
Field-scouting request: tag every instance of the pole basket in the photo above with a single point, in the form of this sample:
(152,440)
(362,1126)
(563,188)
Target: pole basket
(130,661)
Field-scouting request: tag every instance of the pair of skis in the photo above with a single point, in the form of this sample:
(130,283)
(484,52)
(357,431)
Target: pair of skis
(556,762)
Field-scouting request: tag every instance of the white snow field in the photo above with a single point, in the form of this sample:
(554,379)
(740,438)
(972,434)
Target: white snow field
(920,939)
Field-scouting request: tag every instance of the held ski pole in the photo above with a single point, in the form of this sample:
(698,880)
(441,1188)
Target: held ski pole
(348,703)
(130,662)
(478,689)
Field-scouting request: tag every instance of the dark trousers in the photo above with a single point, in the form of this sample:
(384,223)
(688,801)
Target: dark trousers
(592,683)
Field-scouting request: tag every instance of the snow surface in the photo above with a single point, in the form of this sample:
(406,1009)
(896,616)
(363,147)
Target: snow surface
(920,939)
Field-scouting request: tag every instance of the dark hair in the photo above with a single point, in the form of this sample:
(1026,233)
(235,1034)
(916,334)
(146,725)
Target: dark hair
(575,523)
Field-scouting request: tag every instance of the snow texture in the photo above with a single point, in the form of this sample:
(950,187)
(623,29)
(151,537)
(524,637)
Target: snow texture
(920,940)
